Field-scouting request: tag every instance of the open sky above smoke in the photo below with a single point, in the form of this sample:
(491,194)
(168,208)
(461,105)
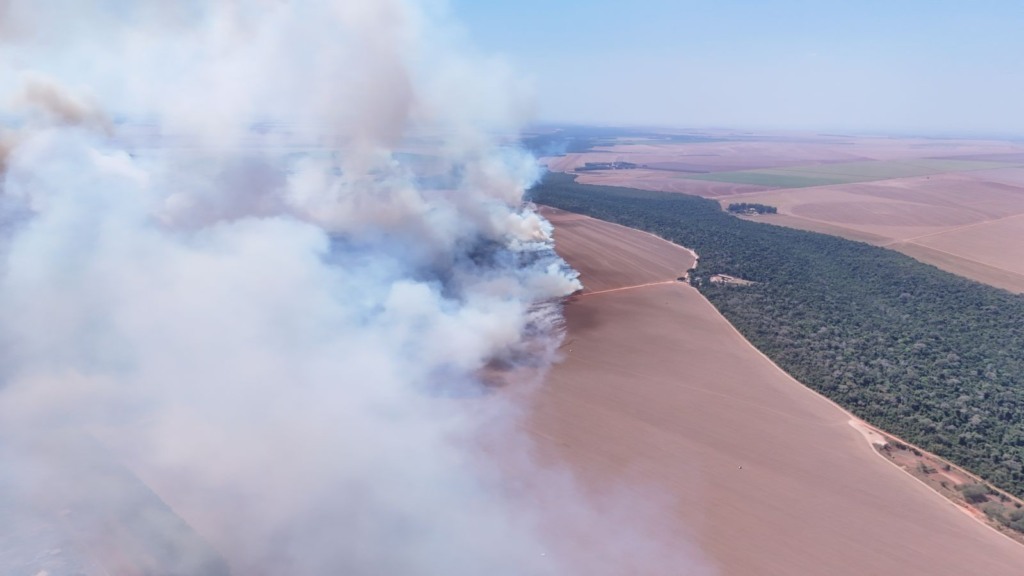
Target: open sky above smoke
(260,251)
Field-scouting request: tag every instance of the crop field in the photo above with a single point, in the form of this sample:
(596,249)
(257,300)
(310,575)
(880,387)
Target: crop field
(774,178)
(844,172)
(994,243)
(665,181)
(968,223)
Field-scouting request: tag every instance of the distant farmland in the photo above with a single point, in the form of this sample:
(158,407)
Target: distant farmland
(956,204)
(771,178)
(844,173)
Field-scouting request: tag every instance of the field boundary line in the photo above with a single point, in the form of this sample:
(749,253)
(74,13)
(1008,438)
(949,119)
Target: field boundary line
(621,288)
(961,257)
(959,228)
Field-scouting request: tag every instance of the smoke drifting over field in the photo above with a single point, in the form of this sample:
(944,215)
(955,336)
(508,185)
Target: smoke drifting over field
(272,300)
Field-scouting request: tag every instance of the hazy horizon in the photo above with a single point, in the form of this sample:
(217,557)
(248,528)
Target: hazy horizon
(935,68)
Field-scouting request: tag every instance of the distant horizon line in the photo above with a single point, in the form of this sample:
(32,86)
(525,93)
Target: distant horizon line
(834,132)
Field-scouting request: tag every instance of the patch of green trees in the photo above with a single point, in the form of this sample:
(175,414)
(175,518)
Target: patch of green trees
(928,355)
(752,208)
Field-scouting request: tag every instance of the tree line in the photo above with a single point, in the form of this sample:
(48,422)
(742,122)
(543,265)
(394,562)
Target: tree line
(751,208)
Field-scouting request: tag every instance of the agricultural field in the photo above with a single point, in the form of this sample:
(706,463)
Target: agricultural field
(750,467)
(844,172)
(968,223)
(950,203)
(629,257)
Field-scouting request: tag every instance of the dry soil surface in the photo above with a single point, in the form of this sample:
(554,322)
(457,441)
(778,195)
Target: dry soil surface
(969,223)
(768,477)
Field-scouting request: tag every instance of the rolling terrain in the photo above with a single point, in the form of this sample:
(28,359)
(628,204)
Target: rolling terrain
(764,475)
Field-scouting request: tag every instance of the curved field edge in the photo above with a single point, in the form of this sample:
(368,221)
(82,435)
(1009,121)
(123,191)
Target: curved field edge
(924,354)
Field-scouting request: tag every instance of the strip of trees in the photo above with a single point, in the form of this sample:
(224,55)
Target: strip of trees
(930,356)
(752,208)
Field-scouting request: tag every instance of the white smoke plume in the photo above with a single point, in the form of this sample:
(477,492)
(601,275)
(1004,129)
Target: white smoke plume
(270,296)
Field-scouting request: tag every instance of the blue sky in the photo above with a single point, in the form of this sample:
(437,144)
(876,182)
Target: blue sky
(866,65)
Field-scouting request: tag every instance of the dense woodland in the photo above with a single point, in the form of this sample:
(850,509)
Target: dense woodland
(930,356)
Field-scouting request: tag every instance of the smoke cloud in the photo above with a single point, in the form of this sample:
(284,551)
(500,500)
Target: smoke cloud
(46,97)
(246,330)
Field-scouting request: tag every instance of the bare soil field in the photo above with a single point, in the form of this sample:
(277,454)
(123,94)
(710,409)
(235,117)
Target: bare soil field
(968,223)
(997,243)
(629,257)
(973,269)
(767,477)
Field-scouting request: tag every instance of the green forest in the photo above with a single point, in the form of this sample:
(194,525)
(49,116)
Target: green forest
(927,355)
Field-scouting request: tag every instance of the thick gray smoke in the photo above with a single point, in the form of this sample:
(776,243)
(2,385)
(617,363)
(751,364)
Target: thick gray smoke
(270,297)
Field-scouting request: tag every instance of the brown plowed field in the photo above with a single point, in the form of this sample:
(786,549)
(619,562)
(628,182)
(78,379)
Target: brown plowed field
(629,257)
(969,223)
(992,275)
(768,477)
(997,243)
